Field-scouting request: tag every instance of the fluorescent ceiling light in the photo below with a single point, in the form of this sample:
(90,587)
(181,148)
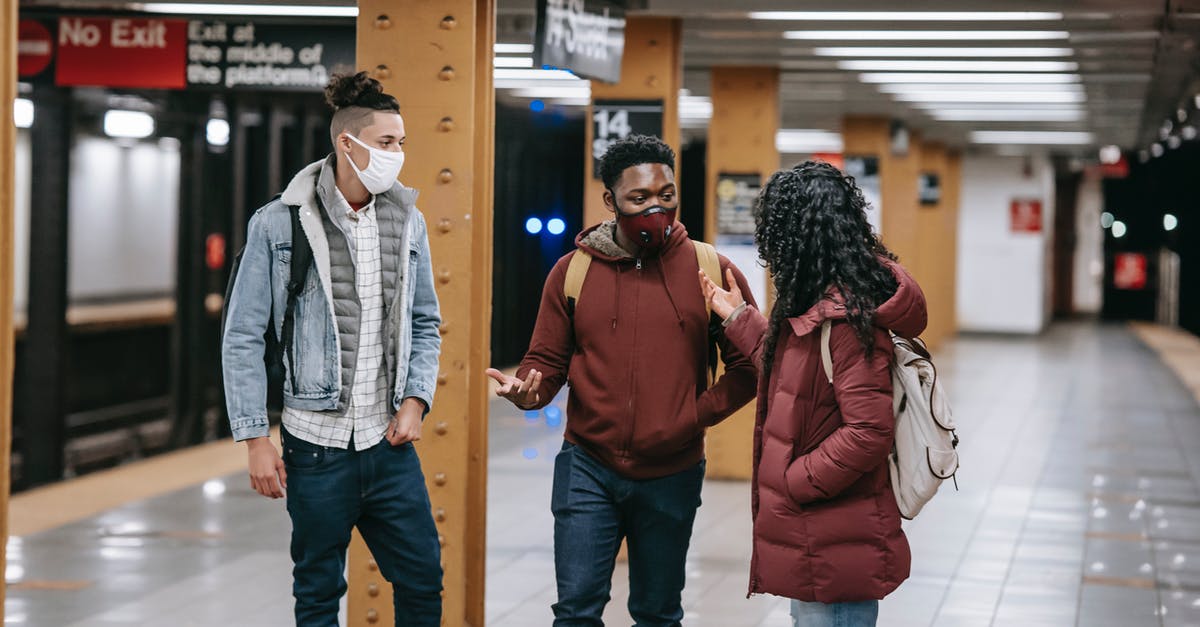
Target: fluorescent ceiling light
(517,74)
(901,88)
(23,112)
(915,51)
(572,102)
(513,62)
(288,10)
(934,77)
(132,124)
(926,35)
(1031,137)
(1005,115)
(804,141)
(888,65)
(989,96)
(908,16)
(513,48)
(554,92)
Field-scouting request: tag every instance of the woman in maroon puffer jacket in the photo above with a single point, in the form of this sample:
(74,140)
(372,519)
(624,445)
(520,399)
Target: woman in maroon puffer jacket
(826,526)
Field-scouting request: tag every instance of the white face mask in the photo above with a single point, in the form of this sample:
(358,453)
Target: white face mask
(382,169)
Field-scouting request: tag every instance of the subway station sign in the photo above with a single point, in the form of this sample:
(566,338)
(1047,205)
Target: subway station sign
(586,37)
(618,119)
(179,54)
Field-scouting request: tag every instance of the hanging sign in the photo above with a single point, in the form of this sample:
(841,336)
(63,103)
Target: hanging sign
(586,37)
(121,52)
(248,55)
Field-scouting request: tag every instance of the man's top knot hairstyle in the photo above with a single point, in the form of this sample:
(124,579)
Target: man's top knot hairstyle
(631,151)
(358,90)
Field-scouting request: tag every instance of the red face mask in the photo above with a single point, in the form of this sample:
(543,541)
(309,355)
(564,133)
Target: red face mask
(649,229)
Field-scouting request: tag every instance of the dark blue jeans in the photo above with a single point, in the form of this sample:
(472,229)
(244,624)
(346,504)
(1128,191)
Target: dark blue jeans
(381,491)
(594,509)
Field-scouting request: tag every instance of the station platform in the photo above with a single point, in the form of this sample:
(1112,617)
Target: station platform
(1079,504)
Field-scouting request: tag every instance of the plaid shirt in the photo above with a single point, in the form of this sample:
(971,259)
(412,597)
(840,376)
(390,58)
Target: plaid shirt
(367,416)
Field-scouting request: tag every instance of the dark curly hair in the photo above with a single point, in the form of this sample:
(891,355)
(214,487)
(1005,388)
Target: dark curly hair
(354,99)
(812,232)
(632,151)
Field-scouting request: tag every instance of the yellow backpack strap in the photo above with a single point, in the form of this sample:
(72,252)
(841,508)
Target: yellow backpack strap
(573,284)
(710,263)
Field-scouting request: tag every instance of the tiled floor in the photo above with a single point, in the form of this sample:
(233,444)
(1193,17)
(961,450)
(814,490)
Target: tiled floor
(1079,505)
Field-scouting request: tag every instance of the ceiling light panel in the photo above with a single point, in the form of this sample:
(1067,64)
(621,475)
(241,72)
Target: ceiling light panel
(891,65)
(908,16)
(1032,137)
(867,52)
(936,77)
(927,35)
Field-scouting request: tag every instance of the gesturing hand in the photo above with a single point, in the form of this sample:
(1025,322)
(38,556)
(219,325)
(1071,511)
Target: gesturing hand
(722,302)
(523,394)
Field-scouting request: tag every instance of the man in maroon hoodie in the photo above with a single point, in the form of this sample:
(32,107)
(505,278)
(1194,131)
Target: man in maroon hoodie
(635,347)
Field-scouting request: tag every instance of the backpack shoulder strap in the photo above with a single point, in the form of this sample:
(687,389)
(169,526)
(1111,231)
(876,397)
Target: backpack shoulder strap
(826,357)
(577,270)
(298,269)
(710,263)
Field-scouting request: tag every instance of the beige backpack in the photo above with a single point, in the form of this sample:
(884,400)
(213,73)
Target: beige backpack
(925,451)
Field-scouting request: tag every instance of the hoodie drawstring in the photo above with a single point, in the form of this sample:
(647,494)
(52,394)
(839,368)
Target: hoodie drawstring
(662,275)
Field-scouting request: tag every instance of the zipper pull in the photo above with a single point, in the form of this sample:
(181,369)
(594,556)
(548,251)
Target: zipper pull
(639,264)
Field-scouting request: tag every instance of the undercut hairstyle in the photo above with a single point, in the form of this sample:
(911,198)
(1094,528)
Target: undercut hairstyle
(631,151)
(812,233)
(354,99)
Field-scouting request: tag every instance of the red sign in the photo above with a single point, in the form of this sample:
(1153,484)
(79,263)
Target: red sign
(35,48)
(1129,271)
(214,251)
(1118,170)
(1025,216)
(834,159)
(122,52)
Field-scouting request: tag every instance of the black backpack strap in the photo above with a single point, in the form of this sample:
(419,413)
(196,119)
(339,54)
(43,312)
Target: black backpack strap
(301,260)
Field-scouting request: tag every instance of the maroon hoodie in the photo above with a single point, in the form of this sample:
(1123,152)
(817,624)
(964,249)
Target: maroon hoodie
(826,524)
(636,353)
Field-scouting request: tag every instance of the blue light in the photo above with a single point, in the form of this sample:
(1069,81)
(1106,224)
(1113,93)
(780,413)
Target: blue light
(533,415)
(553,412)
(533,226)
(537,106)
(529,453)
(556,226)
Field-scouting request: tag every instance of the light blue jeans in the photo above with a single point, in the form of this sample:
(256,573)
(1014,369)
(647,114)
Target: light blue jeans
(857,614)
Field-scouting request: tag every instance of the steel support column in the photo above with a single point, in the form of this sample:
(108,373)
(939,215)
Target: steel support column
(436,58)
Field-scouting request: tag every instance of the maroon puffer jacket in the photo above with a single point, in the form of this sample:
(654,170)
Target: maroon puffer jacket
(826,525)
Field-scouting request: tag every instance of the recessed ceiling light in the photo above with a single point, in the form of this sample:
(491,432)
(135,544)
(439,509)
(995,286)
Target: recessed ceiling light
(926,35)
(1110,154)
(885,65)
(938,52)
(1005,115)
(1031,137)
(937,77)
(989,96)
(908,16)
(513,48)
(289,10)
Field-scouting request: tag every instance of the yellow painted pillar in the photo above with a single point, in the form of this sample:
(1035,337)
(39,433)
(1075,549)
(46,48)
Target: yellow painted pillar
(952,199)
(937,230)
(436,58)
(8,192)
(651,69)
(741,140)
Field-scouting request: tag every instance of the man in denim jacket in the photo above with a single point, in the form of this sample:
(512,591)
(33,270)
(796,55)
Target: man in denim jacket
(361,374)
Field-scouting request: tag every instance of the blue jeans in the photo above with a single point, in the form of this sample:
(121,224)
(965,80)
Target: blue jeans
(381,491)
(856,614)
(594,508)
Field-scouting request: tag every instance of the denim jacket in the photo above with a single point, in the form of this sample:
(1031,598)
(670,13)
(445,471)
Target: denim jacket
(412,326)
